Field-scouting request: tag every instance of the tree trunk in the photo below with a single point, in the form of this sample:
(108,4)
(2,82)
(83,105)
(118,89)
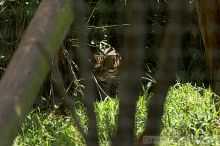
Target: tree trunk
(208,13)
(31,63)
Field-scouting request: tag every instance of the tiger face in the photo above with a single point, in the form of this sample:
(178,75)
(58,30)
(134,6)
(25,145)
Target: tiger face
(99,61)
(106,69)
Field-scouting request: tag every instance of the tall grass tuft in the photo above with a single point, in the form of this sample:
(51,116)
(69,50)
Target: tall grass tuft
(190,115)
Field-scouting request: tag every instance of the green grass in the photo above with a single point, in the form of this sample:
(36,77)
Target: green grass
(191,116)
(190,119)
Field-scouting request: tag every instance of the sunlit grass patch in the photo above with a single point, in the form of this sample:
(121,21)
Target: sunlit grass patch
(190,114)
(190,118)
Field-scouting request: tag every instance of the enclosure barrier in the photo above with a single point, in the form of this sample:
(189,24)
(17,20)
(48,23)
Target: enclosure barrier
(40,44)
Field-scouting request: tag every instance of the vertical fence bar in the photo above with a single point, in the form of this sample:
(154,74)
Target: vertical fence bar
(170,53)
(85,69)
(132,64)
